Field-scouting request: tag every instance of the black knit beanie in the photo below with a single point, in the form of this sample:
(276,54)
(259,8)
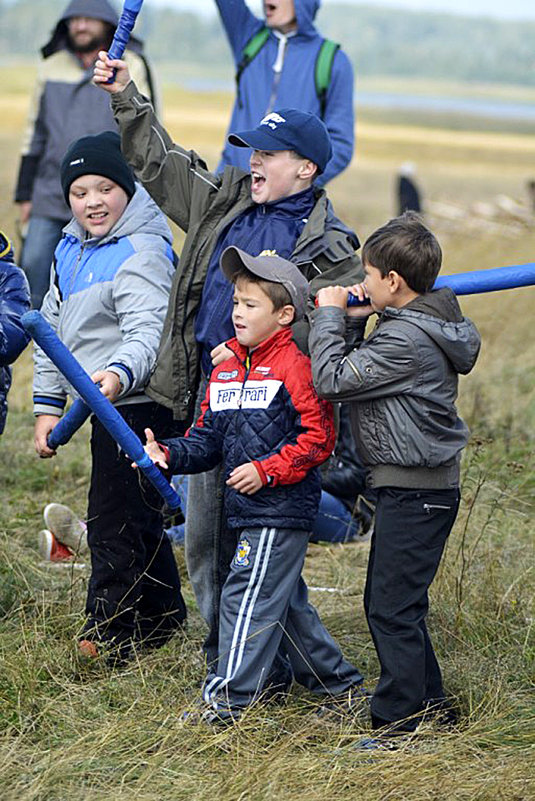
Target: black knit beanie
(96,155)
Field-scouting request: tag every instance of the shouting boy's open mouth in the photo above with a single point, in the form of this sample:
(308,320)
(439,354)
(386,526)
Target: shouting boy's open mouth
(258,181)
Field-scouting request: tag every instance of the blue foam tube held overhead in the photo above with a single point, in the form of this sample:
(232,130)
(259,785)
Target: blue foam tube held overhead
(126,23)
(477,281)
(110,418)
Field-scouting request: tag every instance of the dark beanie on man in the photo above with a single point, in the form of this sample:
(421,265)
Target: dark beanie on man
(96,155)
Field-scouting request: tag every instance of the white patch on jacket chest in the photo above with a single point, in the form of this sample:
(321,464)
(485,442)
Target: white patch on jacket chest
(235,395)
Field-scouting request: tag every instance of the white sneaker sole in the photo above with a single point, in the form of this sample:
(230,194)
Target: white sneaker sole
(45,544)
(66,526)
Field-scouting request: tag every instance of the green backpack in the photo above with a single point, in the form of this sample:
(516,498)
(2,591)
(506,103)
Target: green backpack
(322,70)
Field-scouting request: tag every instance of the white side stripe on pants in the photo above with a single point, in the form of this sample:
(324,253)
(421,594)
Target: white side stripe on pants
(243,620)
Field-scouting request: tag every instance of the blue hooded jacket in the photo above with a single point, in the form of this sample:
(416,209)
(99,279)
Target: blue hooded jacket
(14,302)
(262,90)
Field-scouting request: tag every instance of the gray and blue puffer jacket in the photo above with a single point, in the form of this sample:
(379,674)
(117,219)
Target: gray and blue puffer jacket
(402,384)
(107,301)
(14,302)
(261,407)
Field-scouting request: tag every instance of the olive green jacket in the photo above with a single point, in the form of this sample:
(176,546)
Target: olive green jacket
(203,205)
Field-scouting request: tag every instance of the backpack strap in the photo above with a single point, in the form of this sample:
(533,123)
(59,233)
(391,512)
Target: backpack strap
(323,71)
(251,49)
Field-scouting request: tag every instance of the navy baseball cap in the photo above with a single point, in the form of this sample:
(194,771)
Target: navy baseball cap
(289,129)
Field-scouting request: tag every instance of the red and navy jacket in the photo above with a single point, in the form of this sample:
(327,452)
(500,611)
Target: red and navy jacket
(261,407)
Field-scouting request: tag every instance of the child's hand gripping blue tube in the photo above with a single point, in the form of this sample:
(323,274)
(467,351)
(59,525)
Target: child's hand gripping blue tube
(469,283)
(126,23)
(69,424)
(110,418)
(477,281)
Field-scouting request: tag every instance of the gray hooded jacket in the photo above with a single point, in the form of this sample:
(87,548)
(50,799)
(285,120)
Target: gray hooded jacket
(402,384)
(107,302)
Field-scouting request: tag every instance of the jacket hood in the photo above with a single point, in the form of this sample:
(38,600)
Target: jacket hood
(142,215)
(438,314)
(6,248)
(96,9)
(332,222)
(305,12)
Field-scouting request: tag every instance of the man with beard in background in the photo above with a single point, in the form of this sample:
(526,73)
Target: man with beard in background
(65,106)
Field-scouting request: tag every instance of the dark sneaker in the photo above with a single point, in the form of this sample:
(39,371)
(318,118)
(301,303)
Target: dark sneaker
(377,744)
(111,654)
(441,712)
(347,703)
(205,715)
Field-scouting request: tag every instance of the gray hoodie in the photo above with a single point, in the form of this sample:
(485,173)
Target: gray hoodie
(402,384)
(107,302)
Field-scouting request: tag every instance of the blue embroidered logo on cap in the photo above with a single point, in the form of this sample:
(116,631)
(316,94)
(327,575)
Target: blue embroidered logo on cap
(272,120)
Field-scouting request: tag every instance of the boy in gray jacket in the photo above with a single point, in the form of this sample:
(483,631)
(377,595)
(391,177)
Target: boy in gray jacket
(107,300)
(401,383)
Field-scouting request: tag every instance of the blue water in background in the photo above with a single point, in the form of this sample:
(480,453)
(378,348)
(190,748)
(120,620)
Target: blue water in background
(479,107)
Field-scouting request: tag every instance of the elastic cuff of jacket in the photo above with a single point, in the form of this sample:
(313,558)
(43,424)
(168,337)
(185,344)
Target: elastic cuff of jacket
(26,178)
(119,98)
(170,458)
(125,376)
(166,451)
(40,409)
(167,472)
(261,473)
(45,404)
(328,311)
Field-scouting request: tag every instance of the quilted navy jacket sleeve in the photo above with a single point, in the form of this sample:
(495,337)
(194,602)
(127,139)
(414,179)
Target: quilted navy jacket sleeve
(202,447)
(14,302)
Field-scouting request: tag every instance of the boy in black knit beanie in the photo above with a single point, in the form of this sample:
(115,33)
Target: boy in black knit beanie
(108,295)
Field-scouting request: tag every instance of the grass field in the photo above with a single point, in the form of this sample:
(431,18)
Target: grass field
(73,732)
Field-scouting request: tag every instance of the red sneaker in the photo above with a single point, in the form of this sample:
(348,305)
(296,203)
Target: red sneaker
(52,550)
(87,649)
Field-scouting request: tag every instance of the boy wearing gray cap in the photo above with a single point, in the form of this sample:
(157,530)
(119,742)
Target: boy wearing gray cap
(263,420)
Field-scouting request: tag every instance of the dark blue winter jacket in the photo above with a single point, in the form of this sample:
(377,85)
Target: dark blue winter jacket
(14,302)
(267,226)
(262,90)
(261,407)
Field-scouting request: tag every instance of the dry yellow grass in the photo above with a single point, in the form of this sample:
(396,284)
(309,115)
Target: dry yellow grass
(72,732)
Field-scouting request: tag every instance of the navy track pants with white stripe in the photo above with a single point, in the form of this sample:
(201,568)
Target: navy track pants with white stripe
(265,603)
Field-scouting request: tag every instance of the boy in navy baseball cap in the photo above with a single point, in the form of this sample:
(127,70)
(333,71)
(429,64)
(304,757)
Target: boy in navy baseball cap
(290,148)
